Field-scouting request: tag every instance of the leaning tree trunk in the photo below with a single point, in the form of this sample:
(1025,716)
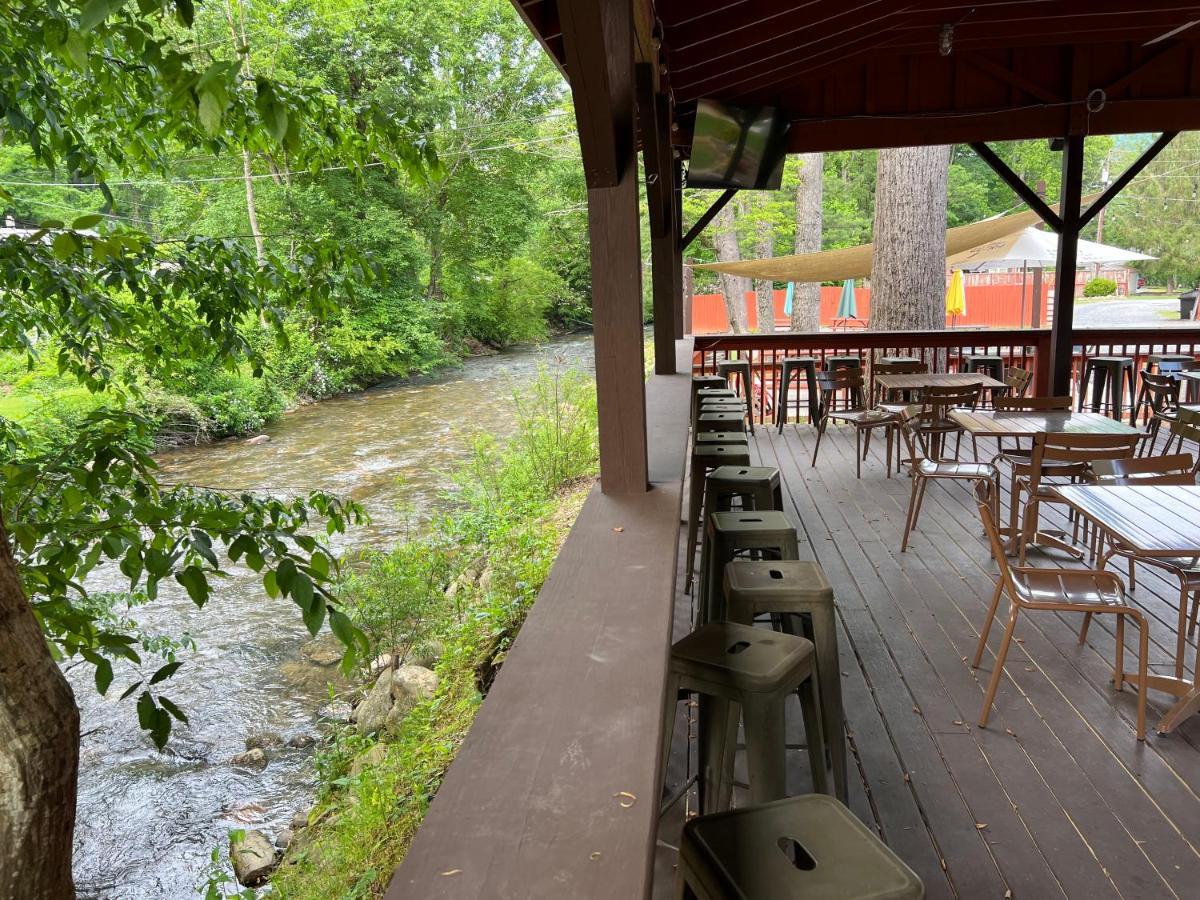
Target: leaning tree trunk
(810,193)
(733,287)
(764,288)
(39,752)
(908,271)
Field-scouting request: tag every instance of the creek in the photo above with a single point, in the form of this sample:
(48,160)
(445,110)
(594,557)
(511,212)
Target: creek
(148,820)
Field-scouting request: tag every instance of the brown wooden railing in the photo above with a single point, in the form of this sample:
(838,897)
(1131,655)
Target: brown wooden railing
(1026,348)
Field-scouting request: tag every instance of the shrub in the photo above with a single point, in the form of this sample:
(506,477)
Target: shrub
(1100,287)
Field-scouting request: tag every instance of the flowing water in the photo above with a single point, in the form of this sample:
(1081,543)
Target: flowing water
(147,821)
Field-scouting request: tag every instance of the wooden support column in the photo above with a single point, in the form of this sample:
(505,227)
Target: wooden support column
(654,122)
(683,305)
(598,44)
(1062,337)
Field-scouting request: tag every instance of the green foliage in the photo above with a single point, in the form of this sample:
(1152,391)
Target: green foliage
(1100,287)
(516,522)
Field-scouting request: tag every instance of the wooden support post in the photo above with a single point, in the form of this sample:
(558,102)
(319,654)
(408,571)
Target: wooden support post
(683,299)
(1062,338)
(598,44)
(654,122)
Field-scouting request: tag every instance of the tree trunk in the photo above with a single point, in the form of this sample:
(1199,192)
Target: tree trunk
(908,272)
(810,194)
(764,288)
(247,171)
(689,290)
(39,752)
(733,287)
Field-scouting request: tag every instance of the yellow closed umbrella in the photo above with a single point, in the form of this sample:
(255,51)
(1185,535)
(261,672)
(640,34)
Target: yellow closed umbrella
(956,297)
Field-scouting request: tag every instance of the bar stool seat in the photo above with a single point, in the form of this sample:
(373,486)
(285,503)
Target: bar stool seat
(722,437)
(701,395)
(755,487)
(705,458)
(741,369)
(795,593)
(1109,376)
(793,365)
(757,670)
(727,534)
(721,421)
(794,849)
(1154,359)
(982,362)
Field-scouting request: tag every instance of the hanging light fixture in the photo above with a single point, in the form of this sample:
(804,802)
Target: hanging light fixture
(946,40)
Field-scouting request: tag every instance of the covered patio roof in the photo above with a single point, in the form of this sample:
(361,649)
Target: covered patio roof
(871,73)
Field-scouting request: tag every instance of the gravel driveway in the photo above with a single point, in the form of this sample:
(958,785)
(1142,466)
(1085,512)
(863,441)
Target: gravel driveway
(1130,312)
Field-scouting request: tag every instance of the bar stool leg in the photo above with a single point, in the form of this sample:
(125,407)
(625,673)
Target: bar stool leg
(819,625)
(814,737)
(695,497)
(716,739)
(765,747)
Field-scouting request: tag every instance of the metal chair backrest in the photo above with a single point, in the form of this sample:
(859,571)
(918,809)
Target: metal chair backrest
(1074,454)
(1162,391)
(1149,469)
(938,400)
(832,381)
(1018,381)
(1186,424)
(1033,404)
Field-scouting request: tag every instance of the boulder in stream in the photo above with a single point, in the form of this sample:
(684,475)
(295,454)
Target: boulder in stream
(301,741)
(255,759)
(253,857)
(324,651)
(369,716)
(258,439)
(263,740)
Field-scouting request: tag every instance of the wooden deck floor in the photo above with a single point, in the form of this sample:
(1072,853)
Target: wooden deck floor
(1056,798)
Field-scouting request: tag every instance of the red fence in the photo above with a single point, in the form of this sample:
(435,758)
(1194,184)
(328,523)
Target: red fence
(988,306)
(1027,348)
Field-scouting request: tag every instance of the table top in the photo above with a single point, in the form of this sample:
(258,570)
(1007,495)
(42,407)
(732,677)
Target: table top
(1150,520)
(920,380)
(1019,423)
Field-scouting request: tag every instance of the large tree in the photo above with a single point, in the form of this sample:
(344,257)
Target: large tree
(733,287)
(908,270)
(810,193)
(94,88)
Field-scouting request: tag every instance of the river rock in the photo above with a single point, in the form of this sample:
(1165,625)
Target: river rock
(427,655)
(372,756)
(337,711)
(284,838)
(258,439)
(371,714)
(253,857)
(252,759)
(381,662)
(324,651)
(410,685)
(299,819)
(301,741)
(263,740)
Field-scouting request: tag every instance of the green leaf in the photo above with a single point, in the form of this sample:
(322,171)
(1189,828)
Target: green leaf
(314,616)
(186,12)
(165,672)
(89,221)
(173,709)
(146,710)
(284,573)
(212,108)
(270,584)
(94,12)
(319,564)
(65,245)
(193,578)
(75,48)
(302,589)
(128,692)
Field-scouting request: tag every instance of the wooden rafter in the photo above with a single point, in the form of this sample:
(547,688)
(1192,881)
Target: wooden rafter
(709,215)
(1127,176)
(1020,188)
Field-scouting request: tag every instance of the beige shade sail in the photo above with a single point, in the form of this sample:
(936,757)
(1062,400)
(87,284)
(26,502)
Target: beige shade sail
(855,262)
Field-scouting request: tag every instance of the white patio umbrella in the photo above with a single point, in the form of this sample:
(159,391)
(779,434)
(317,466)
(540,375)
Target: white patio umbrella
(1032,247)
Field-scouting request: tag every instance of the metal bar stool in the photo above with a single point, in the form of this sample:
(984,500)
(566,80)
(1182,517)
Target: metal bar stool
(700,395)
(722,437)
(982,362)
(757,488)
(705,458)
(794,365)
(736,667)
(1153,360)
(721,421)
(1109,376)
(801,847)
(767,533)
(799,600)
(740,368)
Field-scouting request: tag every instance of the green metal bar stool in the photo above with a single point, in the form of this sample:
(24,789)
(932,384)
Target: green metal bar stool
(720,421)
(741,369)
(794,365)
(1153,360)
(980,362)
(800,848)
(799,599)
(705,458)
(767,533)
(736,667)
(700,396)
(756,487)
(1109,376)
